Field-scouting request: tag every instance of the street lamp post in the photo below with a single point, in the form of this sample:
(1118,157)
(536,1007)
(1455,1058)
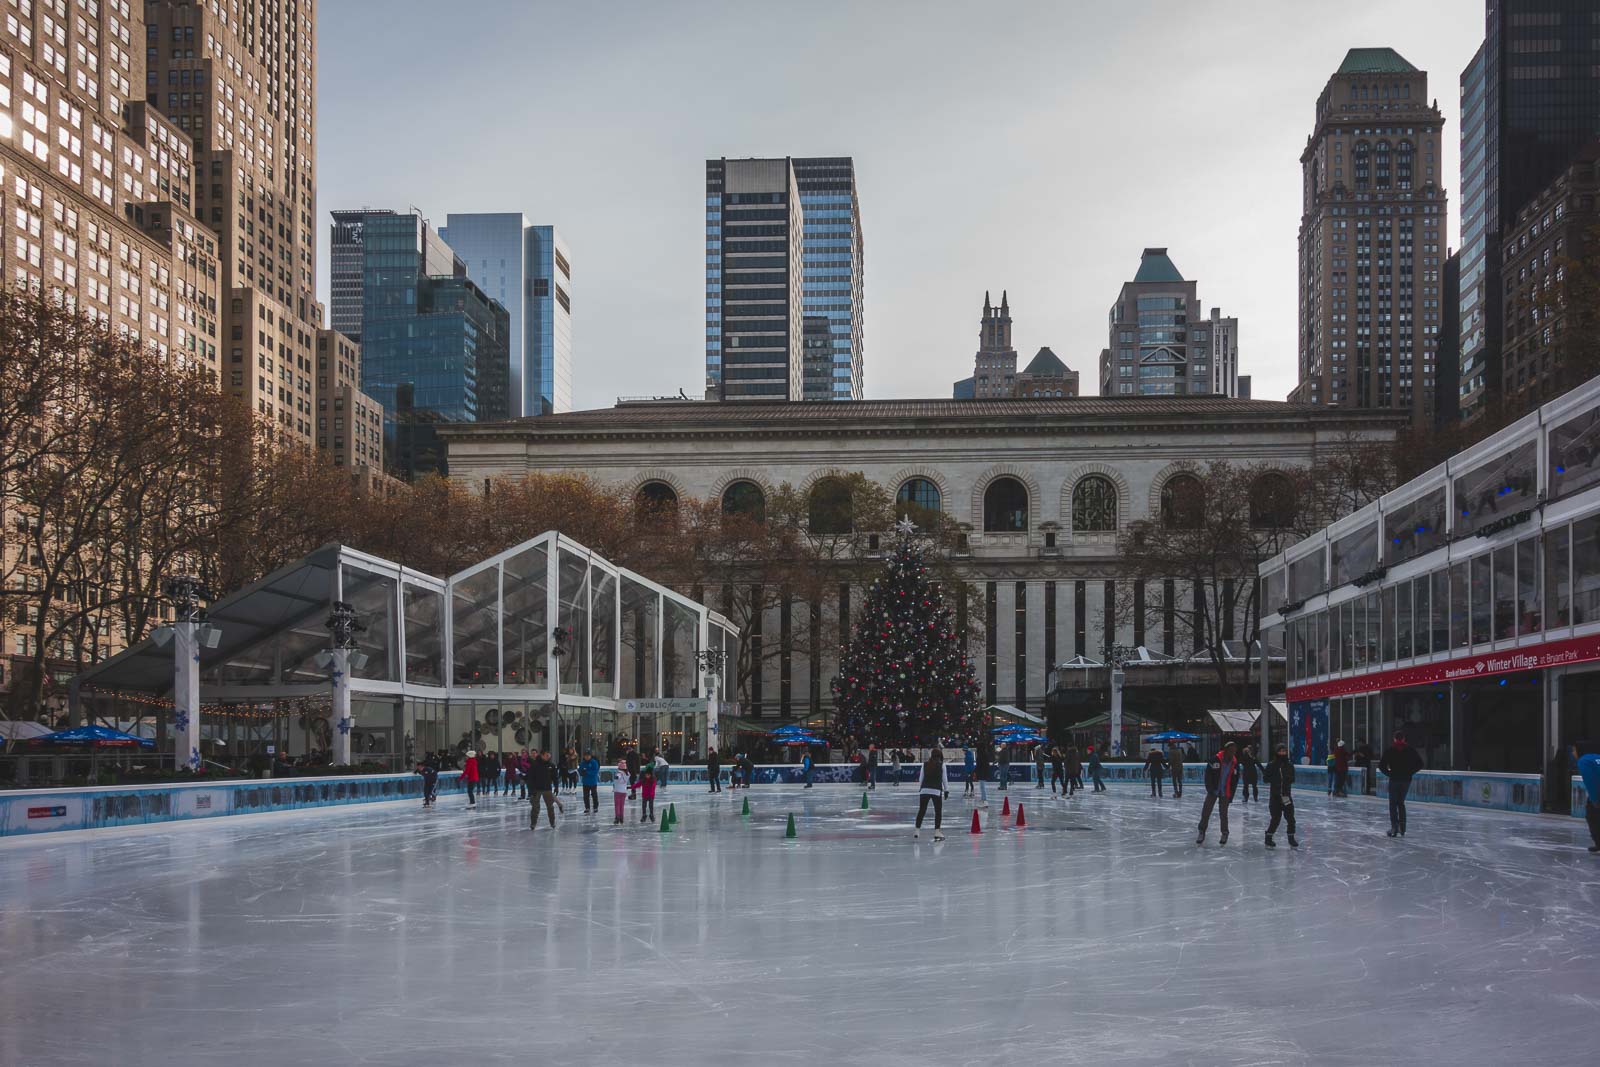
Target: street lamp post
(1117,658)
(712,661)
(343,626)
(189,630)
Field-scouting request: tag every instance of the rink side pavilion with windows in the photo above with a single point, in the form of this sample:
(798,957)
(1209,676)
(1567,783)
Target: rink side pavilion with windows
(546,644)
(1463,606)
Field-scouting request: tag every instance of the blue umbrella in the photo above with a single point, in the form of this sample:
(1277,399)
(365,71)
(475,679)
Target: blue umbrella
(92,735)
(792,728)
(1173,735)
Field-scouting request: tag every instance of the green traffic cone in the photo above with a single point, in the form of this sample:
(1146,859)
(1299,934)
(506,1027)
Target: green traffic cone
(790,831)
(746,810)
(666,823)
(864,804)
(672,813)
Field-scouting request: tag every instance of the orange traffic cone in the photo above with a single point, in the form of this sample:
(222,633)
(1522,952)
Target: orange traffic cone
(1022,820)
(976,829)
(1005,809)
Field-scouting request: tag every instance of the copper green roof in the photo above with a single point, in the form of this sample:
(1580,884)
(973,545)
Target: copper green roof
(1375,61)
(1154,266)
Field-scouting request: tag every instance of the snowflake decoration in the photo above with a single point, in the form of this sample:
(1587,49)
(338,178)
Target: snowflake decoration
(180,719)
(345,724)
(194,759)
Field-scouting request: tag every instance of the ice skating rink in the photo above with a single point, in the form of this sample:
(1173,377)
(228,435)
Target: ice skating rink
(1099,933)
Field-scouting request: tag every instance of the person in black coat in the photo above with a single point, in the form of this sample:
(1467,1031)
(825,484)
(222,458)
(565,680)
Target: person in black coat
(1222,779)
(1175,762)
(1280,804)
(1155,767)
(543,780)
(632,757)
(714,771)
(1401,763)
(430,780)
(1250,768)
(872,766)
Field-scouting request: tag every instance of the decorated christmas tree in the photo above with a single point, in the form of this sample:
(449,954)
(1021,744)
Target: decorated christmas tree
(904,676)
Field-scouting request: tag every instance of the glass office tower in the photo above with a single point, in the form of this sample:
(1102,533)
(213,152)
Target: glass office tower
(527,269)
(831,257)
(433,344)
(1530,99)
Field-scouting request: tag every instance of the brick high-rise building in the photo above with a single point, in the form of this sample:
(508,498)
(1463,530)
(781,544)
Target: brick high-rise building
(1372,240)
(240,79)
(1160,343)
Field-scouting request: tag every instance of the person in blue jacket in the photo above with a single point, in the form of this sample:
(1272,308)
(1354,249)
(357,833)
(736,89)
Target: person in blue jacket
(589,774)
(969,764)
(1589,771)
(805,768)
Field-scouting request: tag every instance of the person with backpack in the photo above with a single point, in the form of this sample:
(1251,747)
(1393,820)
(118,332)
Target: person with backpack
(1401,763)
(1280,804)
(1155,768)
(1222,778)
(933,782)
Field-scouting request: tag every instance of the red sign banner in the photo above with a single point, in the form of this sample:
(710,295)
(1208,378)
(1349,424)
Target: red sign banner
(54,811)
(1463,668)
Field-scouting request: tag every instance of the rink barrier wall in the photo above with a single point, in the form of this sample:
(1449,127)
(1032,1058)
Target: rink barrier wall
(34,811)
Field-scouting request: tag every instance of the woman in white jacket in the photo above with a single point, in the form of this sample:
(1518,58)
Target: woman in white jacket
(933,782)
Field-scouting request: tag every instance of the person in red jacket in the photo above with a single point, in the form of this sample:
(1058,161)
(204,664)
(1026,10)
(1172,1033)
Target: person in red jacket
(1222,778)
(469,774)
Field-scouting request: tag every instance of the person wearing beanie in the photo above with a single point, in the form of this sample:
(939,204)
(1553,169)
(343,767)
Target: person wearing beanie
(1280,805)
(1222,778)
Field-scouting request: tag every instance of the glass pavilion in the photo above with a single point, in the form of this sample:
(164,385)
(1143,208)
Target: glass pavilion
(545,645)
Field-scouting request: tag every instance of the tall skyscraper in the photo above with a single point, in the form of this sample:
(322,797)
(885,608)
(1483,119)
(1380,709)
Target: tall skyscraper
(831,257)
(1216,339)
(434,345)
(1159,344)
(755,210)
(528,269)
(1372,240)
(1530,100)
(239,79)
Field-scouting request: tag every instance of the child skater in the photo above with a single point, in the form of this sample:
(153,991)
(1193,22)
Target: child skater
(619,790)
(647,792)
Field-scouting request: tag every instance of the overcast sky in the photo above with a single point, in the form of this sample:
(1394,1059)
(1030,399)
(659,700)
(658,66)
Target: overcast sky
(1034,147)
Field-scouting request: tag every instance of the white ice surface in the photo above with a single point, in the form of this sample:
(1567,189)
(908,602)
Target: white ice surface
(1100,933)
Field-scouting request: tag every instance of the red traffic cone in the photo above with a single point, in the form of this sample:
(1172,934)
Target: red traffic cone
(1022,820)
(1005,809)
(976,828)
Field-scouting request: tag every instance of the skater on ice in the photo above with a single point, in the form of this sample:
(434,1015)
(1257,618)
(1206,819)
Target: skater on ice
(1400,763)
(469,774)
(542,783)
(647,793)
(430,779)
(933,783)
(1155,768)
(1589,771)
(619,791)
(985,755)
(1222,778)
(1250,773)
(589,772)
(1280,804)
(1038,764)
(714,771)
(1175,765)
(1095,769)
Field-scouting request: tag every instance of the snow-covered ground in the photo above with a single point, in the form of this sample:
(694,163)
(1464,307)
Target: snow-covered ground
(1100,933)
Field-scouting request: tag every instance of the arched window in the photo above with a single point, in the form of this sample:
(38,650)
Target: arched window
(745,498)
(1183,502)
(1094,505)
(1005,506)
(1272,502)
(918,498)
(831,510)
(656,496)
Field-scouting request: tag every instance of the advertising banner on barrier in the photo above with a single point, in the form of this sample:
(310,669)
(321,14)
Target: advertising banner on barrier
(1462,668)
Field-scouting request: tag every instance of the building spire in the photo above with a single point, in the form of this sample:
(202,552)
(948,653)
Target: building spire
(1005,302)
(986,305)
